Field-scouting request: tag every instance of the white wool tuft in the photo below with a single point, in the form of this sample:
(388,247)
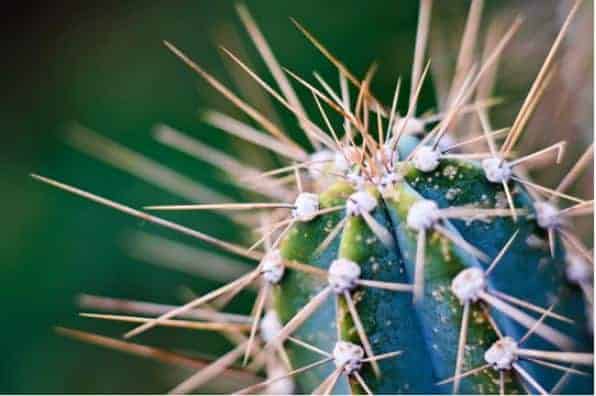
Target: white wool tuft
(306,206)
(446,142)
(578,270)
(270,326)
(360,201)
(356,179)
(348,355)
(342,164)
(389,179)
(502,354)
(469,284)
(547,215)
(496,171)
(343,275)
(426,159)
(273,266)
(422,215)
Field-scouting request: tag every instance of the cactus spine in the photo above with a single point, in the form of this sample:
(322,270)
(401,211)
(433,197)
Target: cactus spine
(402,262)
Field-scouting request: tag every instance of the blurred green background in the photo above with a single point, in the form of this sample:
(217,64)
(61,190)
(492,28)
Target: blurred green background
(102,64)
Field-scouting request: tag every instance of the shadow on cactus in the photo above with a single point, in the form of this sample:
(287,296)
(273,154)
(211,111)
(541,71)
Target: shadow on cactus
(400,255)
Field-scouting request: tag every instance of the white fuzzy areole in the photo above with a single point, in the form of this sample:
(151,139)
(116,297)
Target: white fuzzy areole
(356,179)
(348,355)
(386,155)
(343,275)
(389,179)
(469,284)
(342,164)
(577,269)
(359,202)
(547,215)
(321,162)
(422,215)
(306,206)
(426,159)
(502,354)
(446,142)
(270,326)
(413,126)
(273,266)
(496,170)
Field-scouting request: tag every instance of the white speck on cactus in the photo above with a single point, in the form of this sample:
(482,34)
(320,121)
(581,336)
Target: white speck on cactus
(273,266)
(359,202)
(413,126)
(422,215)
(502,354)
(577,269)
(468,285)
(320,161)
(270,326)
(496,170)
(306,206)
(426,159)
(348,355)
(343,275)
(547,215)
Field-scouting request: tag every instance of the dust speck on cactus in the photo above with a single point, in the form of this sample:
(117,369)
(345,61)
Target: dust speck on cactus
(391,254)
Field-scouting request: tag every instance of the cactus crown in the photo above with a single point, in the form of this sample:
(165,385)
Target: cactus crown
(404,261)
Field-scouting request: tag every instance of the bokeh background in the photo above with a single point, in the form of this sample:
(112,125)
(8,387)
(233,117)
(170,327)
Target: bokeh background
(103,65)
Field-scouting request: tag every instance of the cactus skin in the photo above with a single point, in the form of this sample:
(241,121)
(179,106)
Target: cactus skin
(428,331)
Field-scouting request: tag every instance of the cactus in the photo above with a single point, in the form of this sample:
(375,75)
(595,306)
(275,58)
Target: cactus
(404,261)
